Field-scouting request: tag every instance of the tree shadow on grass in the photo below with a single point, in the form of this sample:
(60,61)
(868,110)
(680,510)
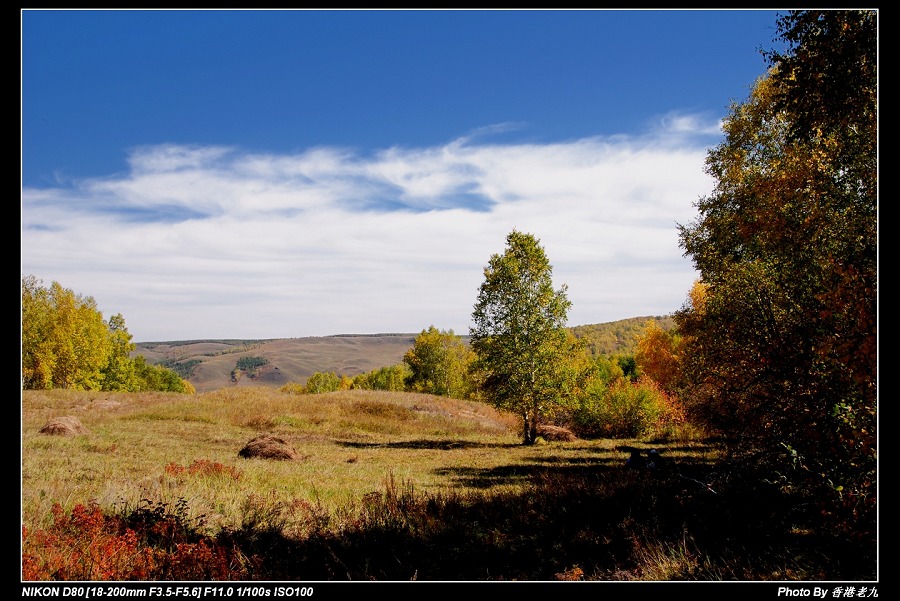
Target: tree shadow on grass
(697,470)
(609,522)
(438,445)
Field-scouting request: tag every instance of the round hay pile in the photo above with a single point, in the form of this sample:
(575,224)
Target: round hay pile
(555,433)
(267,446)
(64,426)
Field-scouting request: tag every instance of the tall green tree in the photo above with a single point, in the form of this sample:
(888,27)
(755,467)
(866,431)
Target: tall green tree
(119,372)
(523,351)
(439,361)
(782,352)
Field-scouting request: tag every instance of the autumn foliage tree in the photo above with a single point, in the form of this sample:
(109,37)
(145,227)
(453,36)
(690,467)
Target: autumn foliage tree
(320,382)
(392,378)
(782,351)
(658,355)
(66,343)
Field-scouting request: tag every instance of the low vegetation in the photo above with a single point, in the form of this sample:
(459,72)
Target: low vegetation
(250,363)
(388,486)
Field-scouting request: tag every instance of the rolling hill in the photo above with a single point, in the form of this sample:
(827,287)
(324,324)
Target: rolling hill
(212,364)
(208,364)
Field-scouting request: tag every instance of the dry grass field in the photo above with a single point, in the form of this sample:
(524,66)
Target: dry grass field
(348,444)
(382,486)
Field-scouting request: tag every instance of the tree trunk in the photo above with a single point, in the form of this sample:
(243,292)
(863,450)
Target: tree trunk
(529,429)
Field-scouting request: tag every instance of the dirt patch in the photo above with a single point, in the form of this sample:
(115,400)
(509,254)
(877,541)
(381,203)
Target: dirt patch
(267,446)
(64,426)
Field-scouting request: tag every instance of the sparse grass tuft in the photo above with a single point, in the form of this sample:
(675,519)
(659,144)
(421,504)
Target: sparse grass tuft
(203,468)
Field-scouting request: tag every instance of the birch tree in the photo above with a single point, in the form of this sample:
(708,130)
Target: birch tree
(519,334)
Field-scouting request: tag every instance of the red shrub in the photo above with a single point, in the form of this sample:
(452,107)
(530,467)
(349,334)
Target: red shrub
(88,545)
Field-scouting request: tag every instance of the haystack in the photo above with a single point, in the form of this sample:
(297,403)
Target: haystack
(555,433)
(64,426)
(267,446)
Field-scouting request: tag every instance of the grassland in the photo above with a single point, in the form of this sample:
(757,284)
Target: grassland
(399,486)
(348,444)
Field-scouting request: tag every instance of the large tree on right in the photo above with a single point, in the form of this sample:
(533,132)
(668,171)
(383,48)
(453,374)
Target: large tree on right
(781,354)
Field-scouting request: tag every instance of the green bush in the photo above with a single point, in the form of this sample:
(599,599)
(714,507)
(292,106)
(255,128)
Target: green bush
(321,382)
(392,378)
(156,377)
(624,409)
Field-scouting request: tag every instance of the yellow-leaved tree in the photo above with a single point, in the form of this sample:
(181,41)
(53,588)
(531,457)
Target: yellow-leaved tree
(66,343)
(658,355)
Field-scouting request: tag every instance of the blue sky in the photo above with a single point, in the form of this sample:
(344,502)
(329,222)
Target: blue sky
(276,174)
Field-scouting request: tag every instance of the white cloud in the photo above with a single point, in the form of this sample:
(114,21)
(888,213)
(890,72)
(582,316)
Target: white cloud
(168,157)
(210,242)
(680,124)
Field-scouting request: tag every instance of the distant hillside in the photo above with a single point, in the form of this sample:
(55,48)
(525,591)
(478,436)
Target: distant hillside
(213,364)
(619,337)
(210,364)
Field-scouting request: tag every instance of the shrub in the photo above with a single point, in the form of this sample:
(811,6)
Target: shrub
(321,382)
(317,383)
(151,542)
(156,377)
(625,409)
(392,378)
(292,388)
